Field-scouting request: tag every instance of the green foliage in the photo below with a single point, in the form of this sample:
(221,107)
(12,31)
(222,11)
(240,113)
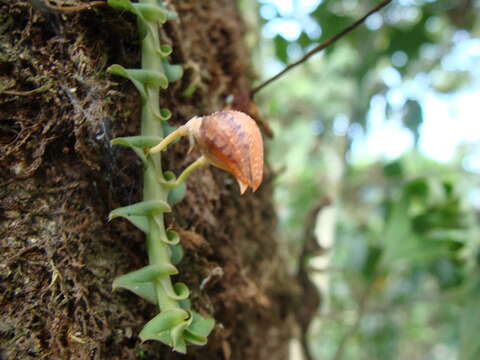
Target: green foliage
(281,46)
(413,118)
(404,236)
(470,324)
(329,20)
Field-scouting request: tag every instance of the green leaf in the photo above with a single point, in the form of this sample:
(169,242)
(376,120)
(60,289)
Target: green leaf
(143,208)
(141,282)
(177,194)
(397,231)
(371,262)
(281,46)
(185,304)
(199,329)
(413,118)
(171,238)
(176,253)
(163,115)
(417,188)
(121,5)
(164,321)
(193,338)
(137,141)
(393,169)
(470,323)
(151,12)
(145,290)
(146,274)
(147,12)
(141,78)
(168,328)
(408,38)
(173,72)
(330,22)
(179,291)
(137,144)
(304,40)
(178,343)
(164,50)
(140,222)
(171,15)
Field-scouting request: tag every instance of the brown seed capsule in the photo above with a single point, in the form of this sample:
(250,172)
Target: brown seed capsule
(231,141)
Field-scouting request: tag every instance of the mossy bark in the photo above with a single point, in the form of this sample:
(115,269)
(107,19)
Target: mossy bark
(60,178)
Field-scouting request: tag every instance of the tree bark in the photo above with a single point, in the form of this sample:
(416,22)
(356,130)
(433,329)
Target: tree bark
(60,178)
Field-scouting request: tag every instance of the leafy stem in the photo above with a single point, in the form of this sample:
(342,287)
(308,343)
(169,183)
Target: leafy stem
(176,324)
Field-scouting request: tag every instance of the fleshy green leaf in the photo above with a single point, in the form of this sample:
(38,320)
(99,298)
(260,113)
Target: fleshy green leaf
(178,343)
(145,274)
(164,50)
(137,144)
(176,253)
(194,339)
(121,71)
(185,304)
(164,321)
(199,329)
(177,194)
(145,290)
(143,208)
(137,141)
(170,177)
(140,222)
(163,114)
(140,281)
(173,72)
(121,5)
(172,238)
(151,12)
(147,12)
(167,327)
(200,324)
(178,292)
(141,78)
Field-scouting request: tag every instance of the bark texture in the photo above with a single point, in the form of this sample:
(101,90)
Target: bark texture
(60,178)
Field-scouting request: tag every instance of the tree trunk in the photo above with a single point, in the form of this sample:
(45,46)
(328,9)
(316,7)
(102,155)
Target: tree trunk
(60,177)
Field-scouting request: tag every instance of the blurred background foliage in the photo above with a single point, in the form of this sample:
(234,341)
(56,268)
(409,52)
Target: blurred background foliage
(367,129)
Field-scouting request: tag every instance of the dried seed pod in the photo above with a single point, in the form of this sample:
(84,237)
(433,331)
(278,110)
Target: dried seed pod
(231,141)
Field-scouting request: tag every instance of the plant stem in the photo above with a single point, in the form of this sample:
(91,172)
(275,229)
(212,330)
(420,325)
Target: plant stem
(197,164)
(158,250)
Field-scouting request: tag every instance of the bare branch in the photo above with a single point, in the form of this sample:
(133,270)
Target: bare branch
(321,46)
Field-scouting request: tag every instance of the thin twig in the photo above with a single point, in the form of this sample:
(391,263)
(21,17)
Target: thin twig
(321,46)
